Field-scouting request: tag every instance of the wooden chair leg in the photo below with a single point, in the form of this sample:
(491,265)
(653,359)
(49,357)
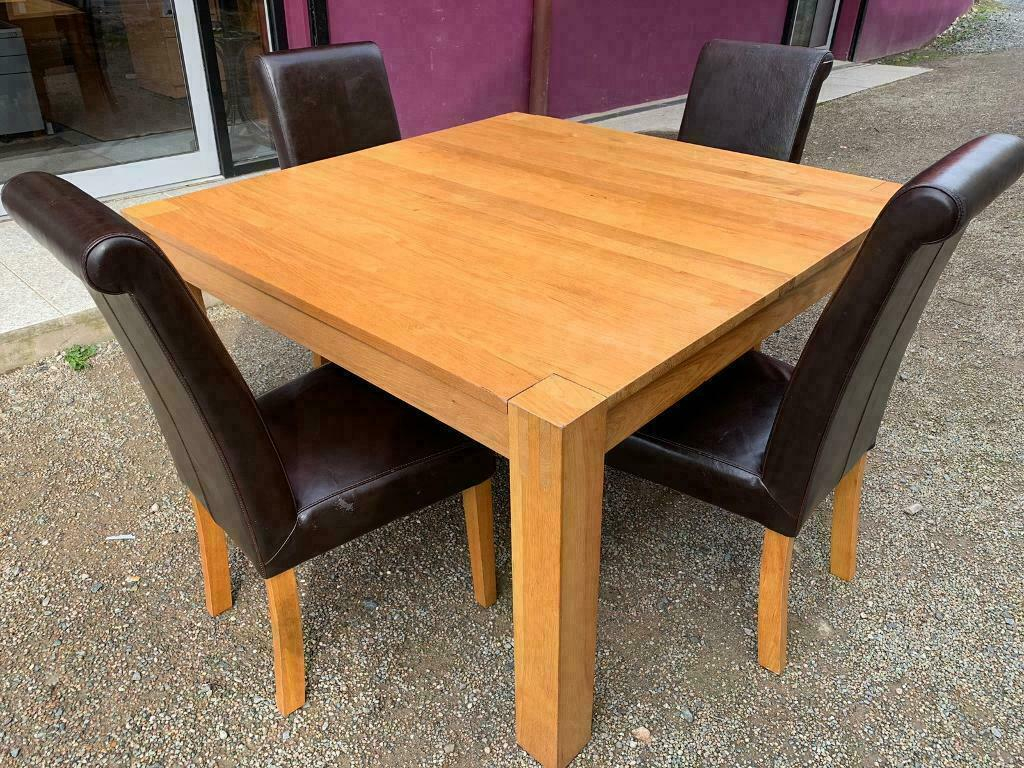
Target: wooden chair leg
(286,625)
(773,602)
(213,557)
(845,520)
(318,360)
(480,532)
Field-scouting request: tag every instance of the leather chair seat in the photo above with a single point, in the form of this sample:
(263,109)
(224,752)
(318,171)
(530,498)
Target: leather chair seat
(357,458)
(712,444)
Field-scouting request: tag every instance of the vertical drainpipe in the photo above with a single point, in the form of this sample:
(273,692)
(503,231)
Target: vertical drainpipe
(540,60)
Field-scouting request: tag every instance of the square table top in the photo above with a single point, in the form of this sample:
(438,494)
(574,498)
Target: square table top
(500,253)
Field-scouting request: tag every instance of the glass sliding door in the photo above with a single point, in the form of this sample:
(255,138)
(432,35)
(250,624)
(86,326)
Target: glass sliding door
(111,94)
(241,32)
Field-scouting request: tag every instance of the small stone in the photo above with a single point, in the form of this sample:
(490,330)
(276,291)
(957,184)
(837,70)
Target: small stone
(449,748)
(222,734)
(687,715)
(96,587)
(914,509)
(136,676)
(155,508)
(641,734)
(997,732)
(15,752)
(370,604)
(205,690)
(132,579)
(825,629)
(748,631)
(286,735)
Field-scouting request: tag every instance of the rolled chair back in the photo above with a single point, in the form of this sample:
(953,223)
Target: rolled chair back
(834,403)
(327,101)
(754,98)
(206,411)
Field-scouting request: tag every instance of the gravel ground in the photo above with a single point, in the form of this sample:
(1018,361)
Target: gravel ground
(110,660)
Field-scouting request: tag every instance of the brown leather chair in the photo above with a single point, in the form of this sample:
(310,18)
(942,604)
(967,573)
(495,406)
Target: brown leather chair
(289,475)
(769,441)
(754,98)
(327,101)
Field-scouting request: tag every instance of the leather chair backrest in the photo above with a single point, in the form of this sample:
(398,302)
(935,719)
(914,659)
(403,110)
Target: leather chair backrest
(833,406)
(327,101)
(754,98)
(206,411)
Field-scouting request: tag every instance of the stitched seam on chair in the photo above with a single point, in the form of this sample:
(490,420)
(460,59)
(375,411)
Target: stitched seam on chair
(807,90)
(209,431)
(842,391)
(385,473)
(284,543)
(960,207)
(277,96)
(771,437)
(910,306)
(146,241)
(188,453)
(87,251)
(711,456)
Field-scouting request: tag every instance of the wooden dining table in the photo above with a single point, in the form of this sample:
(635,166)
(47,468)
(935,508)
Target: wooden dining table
(543,286)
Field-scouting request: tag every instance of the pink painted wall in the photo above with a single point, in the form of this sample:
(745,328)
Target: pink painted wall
(610,53)
(894,26)
(846,25)
(453,61)
(296,19)
(449,61)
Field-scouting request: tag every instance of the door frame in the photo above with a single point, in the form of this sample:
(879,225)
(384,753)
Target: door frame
(138,176)
(277,34)
(790,24)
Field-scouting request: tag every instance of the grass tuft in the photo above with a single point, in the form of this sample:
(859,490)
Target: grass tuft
(77,357)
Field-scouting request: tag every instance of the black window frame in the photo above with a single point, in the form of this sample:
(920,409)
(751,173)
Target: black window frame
(278,35)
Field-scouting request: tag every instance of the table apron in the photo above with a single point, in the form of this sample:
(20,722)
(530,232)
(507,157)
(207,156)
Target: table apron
(486,424)
(631,413)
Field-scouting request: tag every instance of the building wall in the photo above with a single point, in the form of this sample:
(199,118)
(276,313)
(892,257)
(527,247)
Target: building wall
(610,53)
(894,26)
(846,26)
(453,61)
(296,19)
(449,61)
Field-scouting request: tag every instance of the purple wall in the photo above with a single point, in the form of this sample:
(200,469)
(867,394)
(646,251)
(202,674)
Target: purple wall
(453,61)
(894,26)
(449,61)
(846,25)
(296,19)
(610,53)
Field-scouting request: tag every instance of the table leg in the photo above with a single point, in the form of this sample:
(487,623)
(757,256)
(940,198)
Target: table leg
(556,450)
